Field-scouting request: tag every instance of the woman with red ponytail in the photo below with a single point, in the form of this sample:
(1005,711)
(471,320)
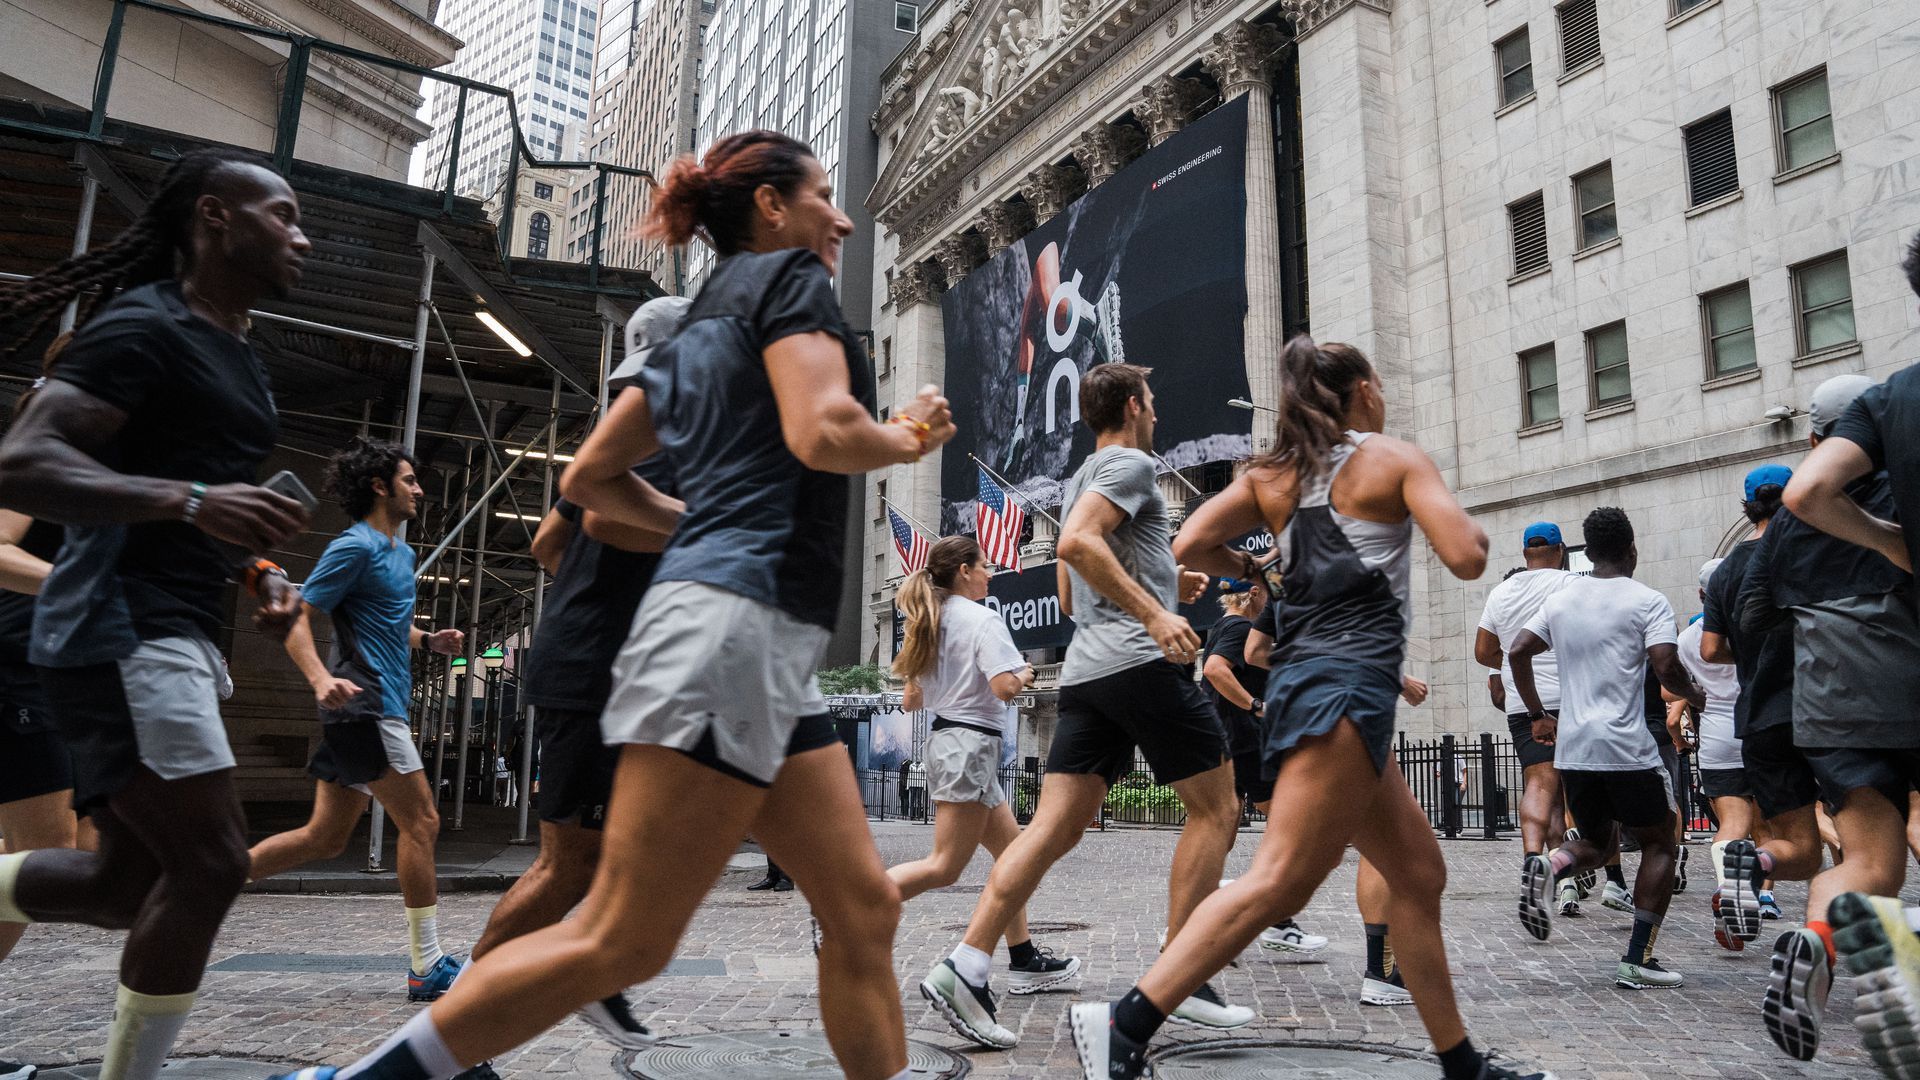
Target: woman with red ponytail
(761,407)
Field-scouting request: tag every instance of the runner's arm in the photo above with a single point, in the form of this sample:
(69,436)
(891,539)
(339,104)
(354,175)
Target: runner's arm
(20,571)
(1202,541)
(446,642)
(1496,691)
(1817,495)
(1008,684)
(328,691)
(1520,659)
(550,540)
(1065,585)
(829,429)
(1672,674)
(1486,649)
(1220,676)
(1714,648)
(601,478)
(1084,546)
(1459,542)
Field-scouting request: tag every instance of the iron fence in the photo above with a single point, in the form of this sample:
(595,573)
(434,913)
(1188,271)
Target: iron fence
(900,794)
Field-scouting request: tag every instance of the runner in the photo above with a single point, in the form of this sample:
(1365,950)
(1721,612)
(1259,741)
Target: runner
(159,381)
(959,662)
(1608,629)
(1342,500)
(364,583)
(762,406)
(1856,647)
(1723,776)
(1126,683)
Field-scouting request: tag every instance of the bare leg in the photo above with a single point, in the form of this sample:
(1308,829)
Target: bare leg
(1736,816)
(1371,894)
(814,825)
(410,804)
(556,882)
(1653,884)
(957,831)
(1001,831)
(1874,839)
(1213,817)
(336,810)
(1540,808)
(1067,802)
(1794,844)
(43,821)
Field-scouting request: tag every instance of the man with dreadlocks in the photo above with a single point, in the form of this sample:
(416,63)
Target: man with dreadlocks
(144,442)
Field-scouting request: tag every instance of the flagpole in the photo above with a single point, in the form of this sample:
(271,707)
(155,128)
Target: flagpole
(1006,486)
(932,534)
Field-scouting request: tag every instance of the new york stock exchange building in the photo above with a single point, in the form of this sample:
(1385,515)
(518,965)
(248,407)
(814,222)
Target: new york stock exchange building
(1601,253)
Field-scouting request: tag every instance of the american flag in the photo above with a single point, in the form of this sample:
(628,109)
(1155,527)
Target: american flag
(913,547)
(998,524)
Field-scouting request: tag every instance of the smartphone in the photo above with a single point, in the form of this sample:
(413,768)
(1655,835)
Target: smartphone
(286,483)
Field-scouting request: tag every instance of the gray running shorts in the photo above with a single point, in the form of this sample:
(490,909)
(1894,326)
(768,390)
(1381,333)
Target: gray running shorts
(963,766)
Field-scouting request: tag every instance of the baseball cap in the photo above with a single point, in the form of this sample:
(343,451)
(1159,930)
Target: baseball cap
(1706,570)
(1767,476)
(1831,398)
(1546,532)
(655,322)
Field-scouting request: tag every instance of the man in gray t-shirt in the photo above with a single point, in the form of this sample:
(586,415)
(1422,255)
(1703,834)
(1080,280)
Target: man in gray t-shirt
(1127,683)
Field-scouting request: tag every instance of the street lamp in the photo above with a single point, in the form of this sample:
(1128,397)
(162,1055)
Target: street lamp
(1243,403)
(494,658)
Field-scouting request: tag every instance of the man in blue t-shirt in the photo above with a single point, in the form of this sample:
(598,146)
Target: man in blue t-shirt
(364,582)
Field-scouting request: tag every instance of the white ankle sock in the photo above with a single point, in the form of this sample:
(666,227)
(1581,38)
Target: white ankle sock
(973,965)
(1913,919)
(417,1043)
(9,870)
(423,934)
(1718,853)
(144,1028)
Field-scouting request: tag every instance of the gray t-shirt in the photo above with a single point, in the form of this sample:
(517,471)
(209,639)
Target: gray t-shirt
(1856,672)
(1105,638)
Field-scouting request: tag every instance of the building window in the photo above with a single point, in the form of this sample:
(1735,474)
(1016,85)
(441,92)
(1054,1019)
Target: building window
(542,191)
(1593,203)
(1539,387)
(1712,169)
(1514,54)
(1681,7)
(1607,365)
(906,18)
(539,231)
(1727,317)
(1824,296)
(1528,219)
(880,503)
(1579,35)
(1803,121)
(886,355)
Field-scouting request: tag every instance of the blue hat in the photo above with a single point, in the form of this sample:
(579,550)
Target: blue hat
(1767,476)
(1544,531)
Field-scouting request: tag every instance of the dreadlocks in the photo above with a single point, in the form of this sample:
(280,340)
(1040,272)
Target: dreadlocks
(150,249)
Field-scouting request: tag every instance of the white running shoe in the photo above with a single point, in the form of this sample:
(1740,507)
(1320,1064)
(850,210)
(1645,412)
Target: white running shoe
(1536,892)
(1617,898)
(1645,976)
(1880,947)
(1104,1053)
(613,1018)
(967,1008)
(1680,871)
(1287,937)
(1206,1009)
(1740,897)
(1569,901)
(1387,991)
(1797,989)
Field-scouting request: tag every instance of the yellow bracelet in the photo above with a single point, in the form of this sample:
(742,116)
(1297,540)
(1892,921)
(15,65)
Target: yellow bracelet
(920,428)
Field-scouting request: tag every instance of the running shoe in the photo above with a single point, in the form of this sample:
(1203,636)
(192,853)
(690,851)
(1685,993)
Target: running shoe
(1796,995)
(1616,898)
(316,1072)
(1105,1054)
(1723,936)
(1384,990)
(17,1070)
(613,1018)
(1742,909)
(1495,1069)
(1207,1009)
(1536,884)
(1044,972)
(435,982)
(1288,937)
(1569,899)
(1768,909)
(1873,934)
(968,1009)
(1647,975)
(1586,879)
(1680,871)
(482,1071)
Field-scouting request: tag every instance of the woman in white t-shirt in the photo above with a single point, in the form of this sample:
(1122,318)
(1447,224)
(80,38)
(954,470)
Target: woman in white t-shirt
(960,664)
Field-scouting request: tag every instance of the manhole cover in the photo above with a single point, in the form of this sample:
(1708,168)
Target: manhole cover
(1032,927)
(180,1069)
(1249,1059)
(796,1054)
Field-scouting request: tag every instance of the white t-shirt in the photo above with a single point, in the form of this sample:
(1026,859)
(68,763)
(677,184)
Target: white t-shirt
(1718,748)
(1602,629)
(1509,606)
(974,647)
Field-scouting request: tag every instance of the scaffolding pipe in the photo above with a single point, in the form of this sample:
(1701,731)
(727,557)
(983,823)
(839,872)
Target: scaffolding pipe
(606,359)
(473,641)
(480,552)
(453,619)
(419,368)
(82,237)
(539,604)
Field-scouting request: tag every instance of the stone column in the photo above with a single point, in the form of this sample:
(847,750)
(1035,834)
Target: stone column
(1049,188)
(1241,58)
(1105,149)
(1004,222)
(920,357)
(1166,104)
(958,255)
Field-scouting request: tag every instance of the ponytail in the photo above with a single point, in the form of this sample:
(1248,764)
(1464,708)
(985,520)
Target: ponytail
(921,597)
(1316,388)
(713,196)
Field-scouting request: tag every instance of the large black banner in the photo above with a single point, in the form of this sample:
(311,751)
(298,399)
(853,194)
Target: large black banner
(1148,268)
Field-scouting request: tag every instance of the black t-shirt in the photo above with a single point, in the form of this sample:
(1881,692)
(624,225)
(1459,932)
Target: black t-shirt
(589,609)
(1269,624)
(1882,423)
(758,522)
(1764,662)
(1798,564)
(198,408)
(1229,641)
(1657,710)
(42,541)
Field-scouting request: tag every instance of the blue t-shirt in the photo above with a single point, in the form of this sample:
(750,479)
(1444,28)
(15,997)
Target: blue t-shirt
(364,580)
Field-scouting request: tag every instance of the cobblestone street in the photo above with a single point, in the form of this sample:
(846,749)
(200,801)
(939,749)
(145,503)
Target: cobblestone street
(1554,1005)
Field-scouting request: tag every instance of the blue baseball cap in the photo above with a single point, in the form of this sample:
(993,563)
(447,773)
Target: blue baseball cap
(1767,476)
(1546,532)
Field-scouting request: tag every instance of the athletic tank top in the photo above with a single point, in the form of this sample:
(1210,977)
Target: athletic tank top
(1344,590)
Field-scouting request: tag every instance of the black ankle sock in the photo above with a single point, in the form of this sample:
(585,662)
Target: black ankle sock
(1462,1062)
(1377,950)
(1022,954)
(1614,875)
(1136,1018)
(1646,928)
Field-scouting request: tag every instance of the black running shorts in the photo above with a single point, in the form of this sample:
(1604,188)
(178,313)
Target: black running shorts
(1155,706)
(1636,799)
(1725,784)
(33,756)
(1777,770)
(1248,779)
(354,753)
(809,733)
(1531,753)
(576,768)
(1840,770)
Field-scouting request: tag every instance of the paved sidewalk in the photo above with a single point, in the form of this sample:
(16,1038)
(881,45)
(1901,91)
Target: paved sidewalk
(1551,1004)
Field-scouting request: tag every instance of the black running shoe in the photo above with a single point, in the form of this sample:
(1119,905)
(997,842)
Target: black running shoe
(1680,871)
(482,1071)
(1493,1068)
(1740,897)
(613,1018)
(17,1070)
(1536,891)
(1104,1053)
(1797,988)
(1045,971)
(1586,880)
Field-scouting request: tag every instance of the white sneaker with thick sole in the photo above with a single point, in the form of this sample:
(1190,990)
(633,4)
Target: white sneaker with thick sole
(1289,938)
(968,1009)
(1616,898)
(1388,991)
(613,1018)
(1880,947)
(1206,1009)
(1797,988)
(1536,892)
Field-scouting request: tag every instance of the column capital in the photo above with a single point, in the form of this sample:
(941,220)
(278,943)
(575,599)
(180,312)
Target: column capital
(1307,15)
(1105,149)
(1049,188)
(1004,222)
(914,283)
(1166,104)
(1241,56)
(958,255)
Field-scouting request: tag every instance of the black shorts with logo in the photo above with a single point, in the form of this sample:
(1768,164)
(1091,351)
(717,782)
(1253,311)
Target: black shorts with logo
(576,768)
(1155,706)
(1530,752)
(1636,799)
(1840,770)
(33,756)
(1778,771)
